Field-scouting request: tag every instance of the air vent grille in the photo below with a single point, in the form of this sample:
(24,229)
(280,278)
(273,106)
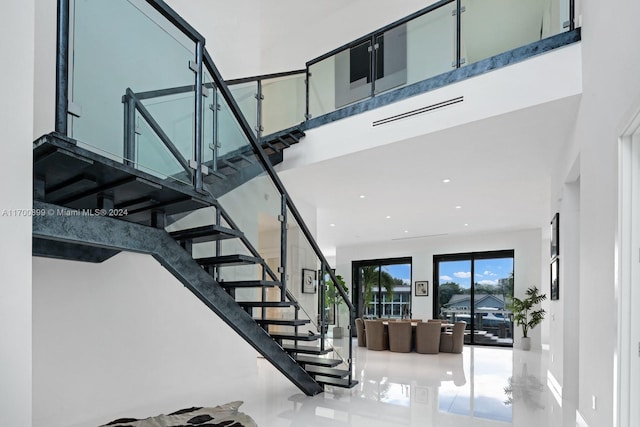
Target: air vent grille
(422,110)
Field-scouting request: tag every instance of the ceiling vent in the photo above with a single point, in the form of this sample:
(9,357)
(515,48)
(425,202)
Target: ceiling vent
(421,237)
(422,110)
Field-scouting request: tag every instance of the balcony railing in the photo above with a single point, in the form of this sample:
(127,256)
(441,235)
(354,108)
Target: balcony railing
(445,36)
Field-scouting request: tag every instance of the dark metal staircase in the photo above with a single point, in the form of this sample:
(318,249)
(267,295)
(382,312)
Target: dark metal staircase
(149,191)
(76,227)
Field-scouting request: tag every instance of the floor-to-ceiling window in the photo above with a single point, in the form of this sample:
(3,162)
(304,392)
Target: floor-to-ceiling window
(475,287)
(382,287)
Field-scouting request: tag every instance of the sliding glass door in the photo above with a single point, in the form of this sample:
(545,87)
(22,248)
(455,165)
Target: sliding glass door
(382,288)
(474,287)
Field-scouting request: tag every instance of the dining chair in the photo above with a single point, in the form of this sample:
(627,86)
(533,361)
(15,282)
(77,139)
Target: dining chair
(453,342)
(360,332)
(428,337)
(400,337)
(376,333)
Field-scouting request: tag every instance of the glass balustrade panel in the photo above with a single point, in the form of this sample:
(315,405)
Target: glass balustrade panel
(420,49)
(340,80)
(491,27)
(144,53)
(284,103)
(245,95)
(151,150)
(305,277)
(248,195)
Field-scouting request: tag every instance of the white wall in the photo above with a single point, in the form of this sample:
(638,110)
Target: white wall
(125,338)
(247,37)
(489,95)
(611,95)
(526,245)
(16,128)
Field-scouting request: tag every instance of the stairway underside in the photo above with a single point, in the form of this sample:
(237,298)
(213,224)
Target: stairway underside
(71,183)
(113,234)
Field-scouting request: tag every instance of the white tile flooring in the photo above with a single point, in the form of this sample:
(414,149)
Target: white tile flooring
(398,389)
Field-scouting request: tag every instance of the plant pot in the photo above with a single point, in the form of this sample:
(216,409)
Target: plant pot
(525,343)
(337,332)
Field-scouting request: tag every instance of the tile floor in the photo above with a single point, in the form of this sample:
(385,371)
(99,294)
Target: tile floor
(411,389)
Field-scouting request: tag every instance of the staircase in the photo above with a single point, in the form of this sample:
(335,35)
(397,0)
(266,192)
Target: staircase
(189,183)
(77,183)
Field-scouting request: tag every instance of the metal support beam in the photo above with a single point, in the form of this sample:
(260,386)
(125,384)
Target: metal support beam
(129,129)
(65,225)
(62,68)
(283,246)
(197,148)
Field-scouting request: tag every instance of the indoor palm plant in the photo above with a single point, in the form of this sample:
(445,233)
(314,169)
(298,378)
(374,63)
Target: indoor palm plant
(525,314)
(333,297)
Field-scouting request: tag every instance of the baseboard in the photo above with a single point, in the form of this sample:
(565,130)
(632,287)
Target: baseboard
(580,422)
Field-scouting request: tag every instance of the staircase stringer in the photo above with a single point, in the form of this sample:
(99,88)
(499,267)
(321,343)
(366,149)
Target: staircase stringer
(113,234)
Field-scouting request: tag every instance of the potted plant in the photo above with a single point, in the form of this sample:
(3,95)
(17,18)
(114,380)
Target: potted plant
(333,298)
(525,315)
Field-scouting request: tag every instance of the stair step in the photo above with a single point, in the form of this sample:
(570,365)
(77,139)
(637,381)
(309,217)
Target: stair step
(229,260)
(283,322)
(266,303)
(207,233)
(294,336)
(317,361)
(337,382)
(250,284)
(306,349)
(327,371)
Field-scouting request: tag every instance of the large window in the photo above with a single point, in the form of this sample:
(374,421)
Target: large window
(475,288)
(382,288)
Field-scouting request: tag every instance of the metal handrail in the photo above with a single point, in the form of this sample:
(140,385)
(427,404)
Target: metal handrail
(246,129)
(264,77)
(203,59)
(388,27)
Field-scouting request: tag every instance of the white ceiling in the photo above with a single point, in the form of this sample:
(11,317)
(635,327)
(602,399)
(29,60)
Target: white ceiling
(499,170)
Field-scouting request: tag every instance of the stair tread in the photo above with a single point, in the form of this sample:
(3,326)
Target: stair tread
(327,371)
(237,259)
(283,322)
(338,382)
(267,303)
(294,336)
(317,361)
(206,233)
(306,349)
(249,284)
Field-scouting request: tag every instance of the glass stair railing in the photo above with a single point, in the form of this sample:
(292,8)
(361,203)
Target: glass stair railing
(149,101)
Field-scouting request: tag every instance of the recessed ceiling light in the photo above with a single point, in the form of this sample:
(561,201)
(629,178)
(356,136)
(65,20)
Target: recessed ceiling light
(458,207)
(446,180)
(388,216)
(406,231)
(332,225)
(362,196)
(466,225)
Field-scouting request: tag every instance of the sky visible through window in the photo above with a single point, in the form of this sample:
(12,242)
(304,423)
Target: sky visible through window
(399,271)
(487,271)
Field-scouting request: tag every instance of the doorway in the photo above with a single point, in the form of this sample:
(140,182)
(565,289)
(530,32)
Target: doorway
(474,288)
(382,288)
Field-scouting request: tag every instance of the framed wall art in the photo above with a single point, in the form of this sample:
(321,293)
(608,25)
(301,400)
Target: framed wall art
(421,288)
(555,236)
(555,279)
